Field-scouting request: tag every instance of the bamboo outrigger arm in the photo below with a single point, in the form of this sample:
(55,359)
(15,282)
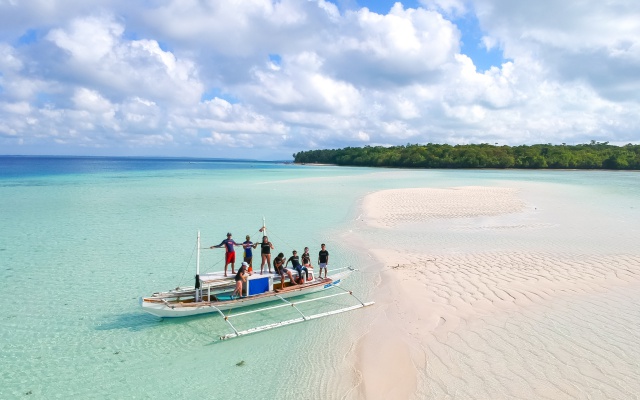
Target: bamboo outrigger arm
(291,321)
(293,305)
(226,320)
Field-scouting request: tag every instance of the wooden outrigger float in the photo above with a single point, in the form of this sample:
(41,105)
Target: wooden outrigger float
(212,294)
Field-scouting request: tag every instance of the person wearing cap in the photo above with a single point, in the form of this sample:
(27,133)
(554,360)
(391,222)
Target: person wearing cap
(248,254)
(241,277)
(230,254)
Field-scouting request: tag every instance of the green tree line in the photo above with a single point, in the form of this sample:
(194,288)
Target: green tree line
(594,155)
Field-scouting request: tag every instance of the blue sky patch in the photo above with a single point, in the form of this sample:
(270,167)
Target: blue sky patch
(471,44)
(217,92)
(275,59)
(30,36)
(384,6)
(44,98)
(133,36)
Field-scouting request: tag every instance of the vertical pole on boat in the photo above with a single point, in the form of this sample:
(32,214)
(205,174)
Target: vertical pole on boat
(197,285)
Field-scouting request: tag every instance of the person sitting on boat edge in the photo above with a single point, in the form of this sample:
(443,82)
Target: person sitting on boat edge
(306,258)
(281,270)
(230,254)
(323,260)
(241,277)
(248,254)
(295,263)
(265,251)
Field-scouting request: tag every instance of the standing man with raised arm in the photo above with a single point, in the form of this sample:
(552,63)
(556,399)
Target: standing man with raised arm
(323,260)
(230,253)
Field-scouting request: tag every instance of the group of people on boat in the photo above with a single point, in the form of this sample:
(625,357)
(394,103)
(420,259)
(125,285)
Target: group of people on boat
(301,266)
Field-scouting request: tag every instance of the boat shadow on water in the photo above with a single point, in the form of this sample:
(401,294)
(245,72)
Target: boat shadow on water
(212,325)
(141,321)
(133,321)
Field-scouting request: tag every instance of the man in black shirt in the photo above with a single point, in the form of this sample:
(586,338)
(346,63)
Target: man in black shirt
(295,263)
(323,260)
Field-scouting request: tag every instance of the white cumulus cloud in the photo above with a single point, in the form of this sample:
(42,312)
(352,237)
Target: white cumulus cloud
(266,78)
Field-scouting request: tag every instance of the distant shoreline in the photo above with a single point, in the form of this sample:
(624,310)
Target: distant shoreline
(594,155)
(467,169)
(317,164)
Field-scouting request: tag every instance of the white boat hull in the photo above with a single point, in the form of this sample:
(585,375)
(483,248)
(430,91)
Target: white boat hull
(165,309)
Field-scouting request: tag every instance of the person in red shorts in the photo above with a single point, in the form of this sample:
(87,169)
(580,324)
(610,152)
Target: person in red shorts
(230,254)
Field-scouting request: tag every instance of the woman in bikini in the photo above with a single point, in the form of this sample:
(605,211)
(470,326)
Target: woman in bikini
(265,250)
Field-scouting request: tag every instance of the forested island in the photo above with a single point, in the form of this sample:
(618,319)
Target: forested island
(594,155)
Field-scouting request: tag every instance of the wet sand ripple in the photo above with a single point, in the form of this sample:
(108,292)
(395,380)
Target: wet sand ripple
(501,324)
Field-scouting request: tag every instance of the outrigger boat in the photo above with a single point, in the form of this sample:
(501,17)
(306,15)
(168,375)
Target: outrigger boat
(212,293)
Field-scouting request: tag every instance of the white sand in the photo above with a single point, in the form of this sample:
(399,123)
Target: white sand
(388,208)
(507,321)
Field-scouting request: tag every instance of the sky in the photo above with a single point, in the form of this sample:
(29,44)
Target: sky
(264,79)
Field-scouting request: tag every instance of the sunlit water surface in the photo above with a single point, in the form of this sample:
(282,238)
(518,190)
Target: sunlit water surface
(82,238)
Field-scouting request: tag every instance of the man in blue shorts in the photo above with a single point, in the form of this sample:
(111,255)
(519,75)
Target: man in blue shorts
(295,263)
(248,254)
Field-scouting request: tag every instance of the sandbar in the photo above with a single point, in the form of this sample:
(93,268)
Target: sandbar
(501,318)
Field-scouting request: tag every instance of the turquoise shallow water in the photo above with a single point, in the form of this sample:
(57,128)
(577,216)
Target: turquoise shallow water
(80,246)
(82,239)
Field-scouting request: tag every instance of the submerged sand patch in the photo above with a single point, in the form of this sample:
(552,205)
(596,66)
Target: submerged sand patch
(388,208)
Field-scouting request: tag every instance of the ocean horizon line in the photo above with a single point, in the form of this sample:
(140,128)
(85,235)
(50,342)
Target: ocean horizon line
(164,158)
